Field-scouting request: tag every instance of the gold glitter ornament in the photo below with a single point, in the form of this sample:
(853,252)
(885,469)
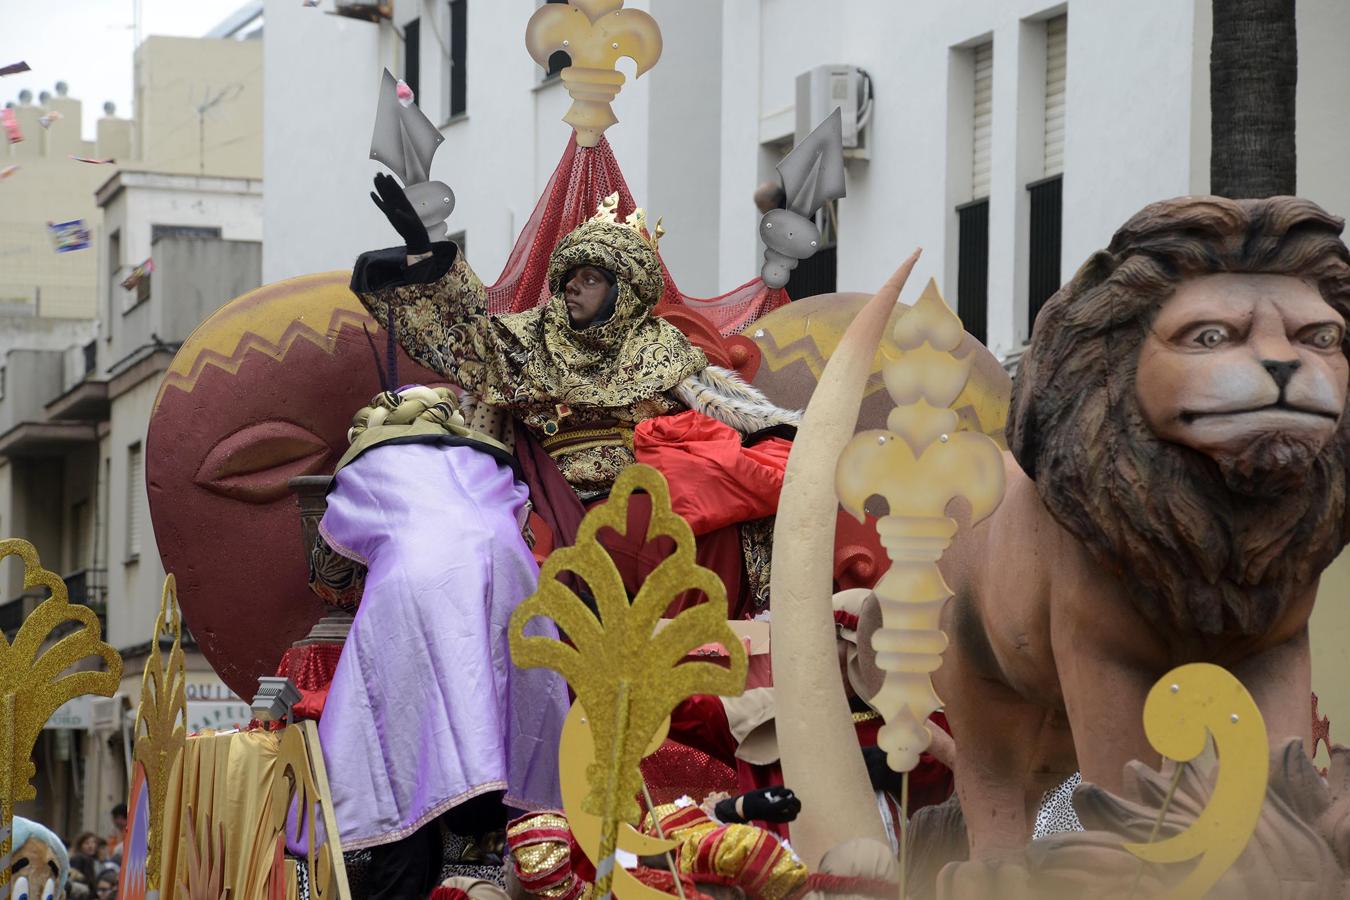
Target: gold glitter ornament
(31,684)
(629,676)
(161,720)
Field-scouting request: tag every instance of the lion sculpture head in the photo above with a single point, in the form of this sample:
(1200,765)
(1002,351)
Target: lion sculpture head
(1182,404)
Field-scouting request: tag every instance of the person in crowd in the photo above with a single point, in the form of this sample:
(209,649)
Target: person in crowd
(84,859)
(119,821)
(105,888)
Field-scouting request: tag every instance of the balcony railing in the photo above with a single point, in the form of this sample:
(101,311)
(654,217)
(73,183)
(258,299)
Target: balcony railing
(12,614)
(86,587)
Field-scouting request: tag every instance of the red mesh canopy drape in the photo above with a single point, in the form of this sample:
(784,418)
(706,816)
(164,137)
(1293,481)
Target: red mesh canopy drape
(584,177)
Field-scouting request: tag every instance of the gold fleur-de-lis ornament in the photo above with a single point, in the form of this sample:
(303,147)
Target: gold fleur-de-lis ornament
(919,464)
(595,34)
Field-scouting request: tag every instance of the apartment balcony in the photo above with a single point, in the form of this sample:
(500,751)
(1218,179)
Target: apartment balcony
(87,587)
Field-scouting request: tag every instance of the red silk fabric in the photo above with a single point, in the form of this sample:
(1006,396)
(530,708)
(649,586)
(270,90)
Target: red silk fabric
(584,177)
(714,480)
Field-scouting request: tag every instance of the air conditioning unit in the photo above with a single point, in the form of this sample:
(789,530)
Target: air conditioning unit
(822,89)
(103,713)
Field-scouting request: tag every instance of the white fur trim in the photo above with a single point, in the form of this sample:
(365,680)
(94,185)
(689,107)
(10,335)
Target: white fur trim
(723,395)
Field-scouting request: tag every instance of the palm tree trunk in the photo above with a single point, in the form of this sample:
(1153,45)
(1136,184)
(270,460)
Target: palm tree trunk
(1253,65)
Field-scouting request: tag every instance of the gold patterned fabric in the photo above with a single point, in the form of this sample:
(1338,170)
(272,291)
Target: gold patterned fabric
(541,856)
(337,580)
(757,553)
(755,859)
(553,376)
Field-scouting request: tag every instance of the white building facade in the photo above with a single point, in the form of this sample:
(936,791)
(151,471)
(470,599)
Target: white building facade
(1111,101)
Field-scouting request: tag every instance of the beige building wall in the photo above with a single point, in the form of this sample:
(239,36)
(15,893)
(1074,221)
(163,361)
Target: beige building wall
(48,186)
(199,106)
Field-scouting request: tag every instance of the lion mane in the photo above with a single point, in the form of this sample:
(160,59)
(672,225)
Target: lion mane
(1206,547)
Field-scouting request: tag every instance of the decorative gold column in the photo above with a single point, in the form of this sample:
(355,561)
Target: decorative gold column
(817,741)
(161,722)
(919,465)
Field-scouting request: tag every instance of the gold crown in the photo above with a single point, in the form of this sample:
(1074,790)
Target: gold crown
(608,211)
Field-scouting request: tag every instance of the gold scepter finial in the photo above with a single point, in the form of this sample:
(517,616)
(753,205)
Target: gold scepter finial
(918,465)
(595,34)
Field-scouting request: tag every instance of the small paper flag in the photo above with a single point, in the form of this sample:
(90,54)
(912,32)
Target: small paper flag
(68,236)
(91,160)
(138,274)
(11,123)
(8,171)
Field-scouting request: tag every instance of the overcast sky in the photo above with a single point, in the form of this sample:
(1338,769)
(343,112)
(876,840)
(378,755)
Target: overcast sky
(88,44)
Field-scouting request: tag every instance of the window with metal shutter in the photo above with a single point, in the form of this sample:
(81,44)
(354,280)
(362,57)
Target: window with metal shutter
(983,121)
(1047,213)
(135,492)
(972,277)
(459,66)
(412,56)
(1056,54)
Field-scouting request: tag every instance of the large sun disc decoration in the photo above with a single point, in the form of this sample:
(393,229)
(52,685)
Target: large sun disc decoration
(919,465)
(628,675)
(34,681)
(595,34)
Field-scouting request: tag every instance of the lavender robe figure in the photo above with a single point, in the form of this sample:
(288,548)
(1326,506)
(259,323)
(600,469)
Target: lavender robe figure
(426,710)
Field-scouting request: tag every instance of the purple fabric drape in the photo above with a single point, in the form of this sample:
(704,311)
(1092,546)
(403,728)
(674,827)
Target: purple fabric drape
(426,710)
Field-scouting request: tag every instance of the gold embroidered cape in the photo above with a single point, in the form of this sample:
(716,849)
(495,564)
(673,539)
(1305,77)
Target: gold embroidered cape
(604,379)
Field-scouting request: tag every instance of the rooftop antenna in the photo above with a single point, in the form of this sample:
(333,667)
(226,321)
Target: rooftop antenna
(229,92)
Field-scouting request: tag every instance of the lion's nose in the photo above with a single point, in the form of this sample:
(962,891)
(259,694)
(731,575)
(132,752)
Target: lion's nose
(1281,371)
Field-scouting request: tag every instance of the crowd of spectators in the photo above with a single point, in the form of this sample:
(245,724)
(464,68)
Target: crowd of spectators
(96,861)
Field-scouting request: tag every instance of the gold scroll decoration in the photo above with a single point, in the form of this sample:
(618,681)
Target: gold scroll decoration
(919,464)
(161,720)
(1184,709)
(576,753)
(595,34)
(32,685)
(303,784)
(628,676)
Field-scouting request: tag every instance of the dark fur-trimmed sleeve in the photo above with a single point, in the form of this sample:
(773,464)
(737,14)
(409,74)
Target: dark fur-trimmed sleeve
(439,308)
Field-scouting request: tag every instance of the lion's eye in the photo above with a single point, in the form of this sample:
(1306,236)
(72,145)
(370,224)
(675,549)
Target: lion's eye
(1323,337)
(1211,336)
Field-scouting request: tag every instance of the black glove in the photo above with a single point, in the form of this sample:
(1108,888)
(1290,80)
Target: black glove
(880,774)
(775,804)
(391,200)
